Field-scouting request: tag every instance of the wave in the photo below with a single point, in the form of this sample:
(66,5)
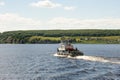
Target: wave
(93,58)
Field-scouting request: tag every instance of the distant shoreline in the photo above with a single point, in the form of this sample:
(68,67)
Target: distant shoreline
(93,36)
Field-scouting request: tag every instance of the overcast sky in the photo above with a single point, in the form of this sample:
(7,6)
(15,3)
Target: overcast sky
(59,14)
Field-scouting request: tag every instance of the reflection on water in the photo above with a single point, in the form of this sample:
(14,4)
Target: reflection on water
(36,62)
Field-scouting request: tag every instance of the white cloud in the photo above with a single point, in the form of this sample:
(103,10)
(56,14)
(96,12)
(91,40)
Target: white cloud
(2,3)
(69,8)
(50,4)
(72,23)
(45,3)
(9,21)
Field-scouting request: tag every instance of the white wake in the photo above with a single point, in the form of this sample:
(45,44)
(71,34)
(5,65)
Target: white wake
(92,58)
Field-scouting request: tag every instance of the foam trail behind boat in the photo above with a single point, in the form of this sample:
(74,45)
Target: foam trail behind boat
(93,58)
(99,59)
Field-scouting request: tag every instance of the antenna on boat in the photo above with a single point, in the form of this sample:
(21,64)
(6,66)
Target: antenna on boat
(65,40)
(62,39)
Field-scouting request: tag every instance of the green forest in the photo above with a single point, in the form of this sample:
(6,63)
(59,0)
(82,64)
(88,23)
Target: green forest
(92,36)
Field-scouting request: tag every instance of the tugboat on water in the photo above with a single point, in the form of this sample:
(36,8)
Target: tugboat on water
(67,49)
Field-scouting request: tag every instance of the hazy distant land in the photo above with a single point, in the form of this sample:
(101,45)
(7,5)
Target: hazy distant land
(53,36)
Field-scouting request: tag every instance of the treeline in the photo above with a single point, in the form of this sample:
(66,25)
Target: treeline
(53,36)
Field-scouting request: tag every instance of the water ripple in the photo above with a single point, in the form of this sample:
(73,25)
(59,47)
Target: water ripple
(34,62)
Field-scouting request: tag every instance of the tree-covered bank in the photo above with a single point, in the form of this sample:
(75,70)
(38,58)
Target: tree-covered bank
(53,36)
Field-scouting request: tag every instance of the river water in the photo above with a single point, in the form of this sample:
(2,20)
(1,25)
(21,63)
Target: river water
(37,62)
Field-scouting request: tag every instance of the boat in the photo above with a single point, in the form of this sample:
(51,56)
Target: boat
(67,49)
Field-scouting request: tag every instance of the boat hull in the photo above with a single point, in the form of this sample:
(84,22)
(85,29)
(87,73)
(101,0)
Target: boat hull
(70,53)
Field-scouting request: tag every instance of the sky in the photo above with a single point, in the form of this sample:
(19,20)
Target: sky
(59,14)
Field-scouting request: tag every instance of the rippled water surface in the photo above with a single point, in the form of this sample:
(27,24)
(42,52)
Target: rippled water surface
(37,62)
